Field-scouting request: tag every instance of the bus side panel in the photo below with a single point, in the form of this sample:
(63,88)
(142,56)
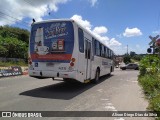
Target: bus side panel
(95,64)
(78,57)
(105,68)
(80,76)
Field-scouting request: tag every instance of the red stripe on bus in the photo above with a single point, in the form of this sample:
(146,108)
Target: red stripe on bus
(51,57)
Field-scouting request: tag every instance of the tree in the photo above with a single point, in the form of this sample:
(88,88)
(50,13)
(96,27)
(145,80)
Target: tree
(137,57)
(3,51)
(127,59)
(13,42)
(132,53)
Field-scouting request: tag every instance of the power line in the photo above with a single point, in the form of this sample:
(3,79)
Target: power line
(7,18)
(31,4)
(15,19)
(12,17)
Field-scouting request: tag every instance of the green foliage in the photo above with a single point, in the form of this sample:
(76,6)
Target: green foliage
(12,48)
(155,103)
(151,87)
(127,59)
(150,64)
(13,42)
(132,54)
(14,32)
(151,84)
(3,50)
(137,57)
(11,63)
(149,78)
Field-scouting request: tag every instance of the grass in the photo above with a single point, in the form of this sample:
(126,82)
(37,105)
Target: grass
(134,61)
(11,63)
(151,87)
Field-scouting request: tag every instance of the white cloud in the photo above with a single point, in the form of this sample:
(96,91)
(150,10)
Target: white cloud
(26,8)
(98,31)
(114,42)
(132,32)
(93,2)
(85,23)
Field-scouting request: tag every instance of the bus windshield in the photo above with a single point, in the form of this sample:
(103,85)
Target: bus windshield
(51,41)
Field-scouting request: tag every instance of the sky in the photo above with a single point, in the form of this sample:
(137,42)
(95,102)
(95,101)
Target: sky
(117,23)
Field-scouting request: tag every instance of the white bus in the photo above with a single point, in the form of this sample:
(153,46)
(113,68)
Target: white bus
(64,49)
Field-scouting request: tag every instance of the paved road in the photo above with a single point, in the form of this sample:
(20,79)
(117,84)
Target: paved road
(119,92)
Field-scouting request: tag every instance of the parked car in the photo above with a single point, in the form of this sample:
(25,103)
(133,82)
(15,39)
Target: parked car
(130,66)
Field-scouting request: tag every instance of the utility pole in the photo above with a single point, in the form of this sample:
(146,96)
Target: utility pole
(127,49)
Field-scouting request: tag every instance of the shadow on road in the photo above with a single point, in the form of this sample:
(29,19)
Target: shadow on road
(62,90)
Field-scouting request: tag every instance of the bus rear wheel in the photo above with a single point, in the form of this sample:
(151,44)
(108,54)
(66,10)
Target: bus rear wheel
(110,71)
(96,80)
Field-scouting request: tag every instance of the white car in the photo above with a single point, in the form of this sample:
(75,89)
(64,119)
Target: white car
(130,66)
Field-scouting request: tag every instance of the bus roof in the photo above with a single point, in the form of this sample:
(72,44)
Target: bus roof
(71,20)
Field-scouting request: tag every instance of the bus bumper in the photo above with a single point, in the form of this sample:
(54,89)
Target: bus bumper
(52,74)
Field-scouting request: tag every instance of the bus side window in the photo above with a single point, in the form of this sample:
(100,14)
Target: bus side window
(97,48)
(111,55)
(81,40)
(108,53)
(86,49)
(103,51)
(93,47)
(100,49)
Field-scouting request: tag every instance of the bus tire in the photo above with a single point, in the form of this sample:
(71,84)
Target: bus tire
(96,80)
(110,71)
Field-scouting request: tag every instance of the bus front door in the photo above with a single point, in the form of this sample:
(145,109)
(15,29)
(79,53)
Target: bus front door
(88,58)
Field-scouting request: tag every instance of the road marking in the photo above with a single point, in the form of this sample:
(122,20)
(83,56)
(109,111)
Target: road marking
(110,107)
(104,99)
(135,81)
(100,90)
(119,119)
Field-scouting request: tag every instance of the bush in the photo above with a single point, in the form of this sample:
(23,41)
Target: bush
(149,64)
(149,78)
(11,63)
(155,103)
(151,87)
(150,84)
(127,59)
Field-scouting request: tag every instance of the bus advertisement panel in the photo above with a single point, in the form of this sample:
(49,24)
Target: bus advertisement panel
(51,47)
(52,42)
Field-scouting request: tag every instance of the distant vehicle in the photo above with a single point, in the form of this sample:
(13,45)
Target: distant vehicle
(117,66)
(130,66)
(64,49)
